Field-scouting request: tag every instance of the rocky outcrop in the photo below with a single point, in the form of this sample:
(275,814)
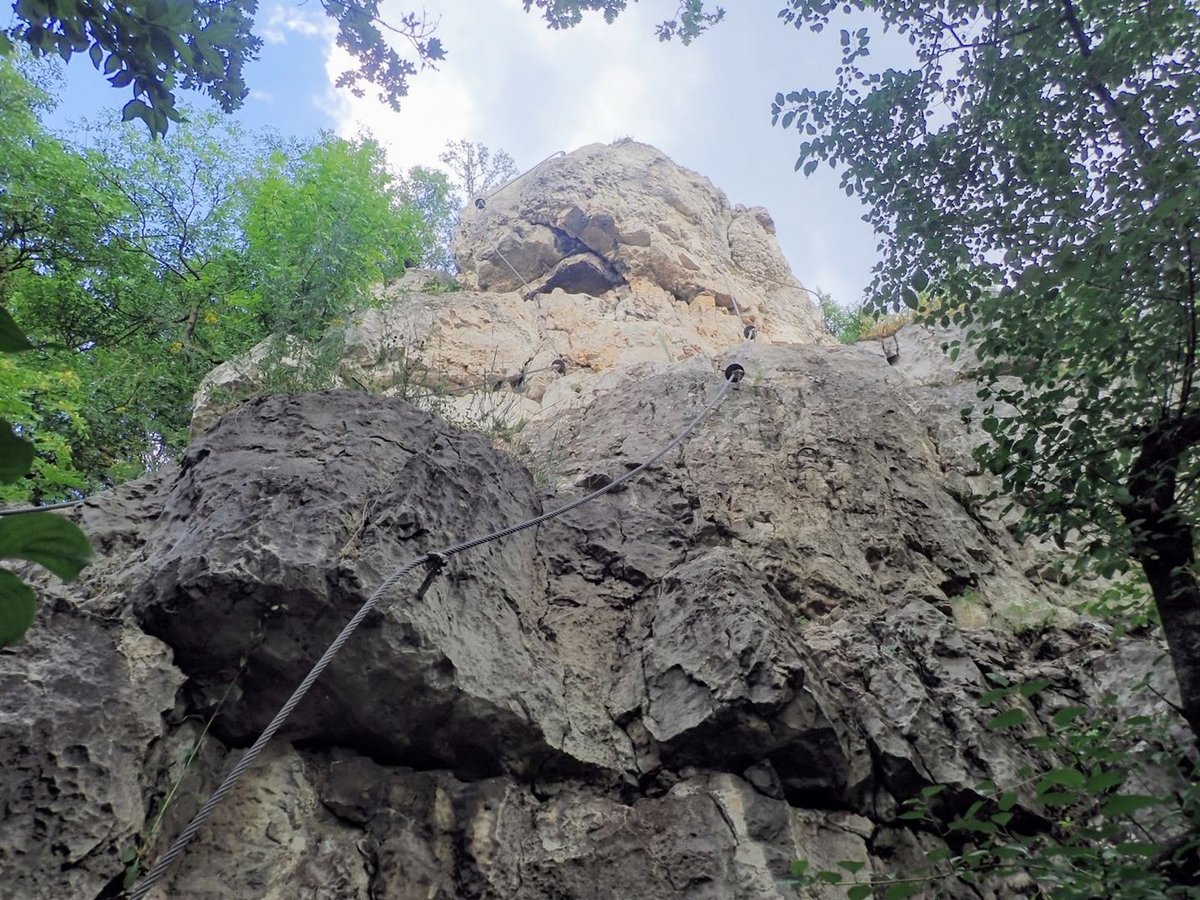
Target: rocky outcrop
(625,214)
(608,257)
(754,652)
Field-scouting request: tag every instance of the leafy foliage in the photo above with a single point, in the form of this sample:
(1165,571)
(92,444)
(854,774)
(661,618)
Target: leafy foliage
(1040,162)
(1116,813)
(141,264)
(157,47)
(690,21)
(148,47)
(847,325)
(43,538)
(430,193)
(475,168)
(322,226)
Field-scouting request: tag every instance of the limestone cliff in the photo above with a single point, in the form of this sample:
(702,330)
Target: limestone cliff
(753,652)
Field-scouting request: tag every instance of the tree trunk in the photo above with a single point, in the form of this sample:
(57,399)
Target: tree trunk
(1164,545)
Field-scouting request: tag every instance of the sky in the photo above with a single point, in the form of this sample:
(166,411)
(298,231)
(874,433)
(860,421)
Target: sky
(515,85)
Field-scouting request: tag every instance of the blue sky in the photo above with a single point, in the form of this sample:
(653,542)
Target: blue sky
(512,83)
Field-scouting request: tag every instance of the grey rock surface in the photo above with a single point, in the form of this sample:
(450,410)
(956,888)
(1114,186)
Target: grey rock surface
(753,652)
(81,707)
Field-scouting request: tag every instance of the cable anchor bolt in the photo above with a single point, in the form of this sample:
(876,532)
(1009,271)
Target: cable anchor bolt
(734,373)
(749,332)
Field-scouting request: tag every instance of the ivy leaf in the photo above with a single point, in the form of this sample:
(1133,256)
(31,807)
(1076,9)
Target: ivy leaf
(17,608)
(12,339)
(46,539)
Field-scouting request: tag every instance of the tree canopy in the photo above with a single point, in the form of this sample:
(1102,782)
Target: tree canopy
(161,46)
(137,265)
(1038,167)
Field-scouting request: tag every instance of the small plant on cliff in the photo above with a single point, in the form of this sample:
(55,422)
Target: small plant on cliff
(1116,814)
(842,322)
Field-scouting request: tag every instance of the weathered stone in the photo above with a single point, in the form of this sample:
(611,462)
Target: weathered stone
(756,651)
(282,521)
(646,218)
(81,706)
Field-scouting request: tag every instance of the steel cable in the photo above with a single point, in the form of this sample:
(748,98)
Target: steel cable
(179,845)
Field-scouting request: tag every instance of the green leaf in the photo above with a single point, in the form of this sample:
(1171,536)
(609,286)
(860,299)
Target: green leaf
(136,109)
(46,539)
(1007,719)
(17,608)
(859,892)
(799,867)
(1059,798)
(994,695)
(12,339)
(973,825)
(1124,804)
(1103,781)
(1065,717)
(1033,687)
(16,455)
(901,891)
(851,866)
(1071,778)
(96,54)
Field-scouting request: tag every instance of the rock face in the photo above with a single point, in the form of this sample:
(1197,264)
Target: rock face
(626,215)
(753,652)
(609,257)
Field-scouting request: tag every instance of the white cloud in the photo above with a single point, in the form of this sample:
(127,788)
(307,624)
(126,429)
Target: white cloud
(510,82)
(261,96)
(280,21)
